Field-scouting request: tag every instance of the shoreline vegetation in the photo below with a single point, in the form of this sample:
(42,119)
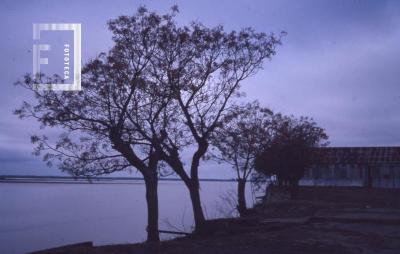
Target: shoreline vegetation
(88,180)
(320,220)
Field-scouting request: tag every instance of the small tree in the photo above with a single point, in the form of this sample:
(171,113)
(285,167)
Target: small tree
(243,134)
(290,152)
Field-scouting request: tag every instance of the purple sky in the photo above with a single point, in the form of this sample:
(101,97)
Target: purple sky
(339,63)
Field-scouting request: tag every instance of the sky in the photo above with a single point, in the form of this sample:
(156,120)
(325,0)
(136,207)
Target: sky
(338,64)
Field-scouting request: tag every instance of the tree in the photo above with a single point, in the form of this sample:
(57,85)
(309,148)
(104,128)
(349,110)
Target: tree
(203,69)
(244,133)
(290,151)
(115,122)
(166,87)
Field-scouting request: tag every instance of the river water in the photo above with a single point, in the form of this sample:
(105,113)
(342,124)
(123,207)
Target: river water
(36,216)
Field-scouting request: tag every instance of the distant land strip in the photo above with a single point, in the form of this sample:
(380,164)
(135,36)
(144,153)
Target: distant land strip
(85,180)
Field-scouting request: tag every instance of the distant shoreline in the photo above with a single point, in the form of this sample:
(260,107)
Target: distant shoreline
(86,180)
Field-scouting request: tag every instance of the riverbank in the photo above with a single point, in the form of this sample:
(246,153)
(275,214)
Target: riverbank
(321,220)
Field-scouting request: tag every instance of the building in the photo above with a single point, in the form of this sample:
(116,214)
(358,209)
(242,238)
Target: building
(355,166)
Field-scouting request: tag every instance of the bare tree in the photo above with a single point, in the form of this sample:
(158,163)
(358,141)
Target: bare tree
(245,133)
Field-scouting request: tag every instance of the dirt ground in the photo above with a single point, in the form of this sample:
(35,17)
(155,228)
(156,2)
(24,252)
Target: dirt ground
(305,225)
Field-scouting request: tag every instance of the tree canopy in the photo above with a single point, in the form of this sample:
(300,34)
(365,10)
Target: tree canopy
(290,151)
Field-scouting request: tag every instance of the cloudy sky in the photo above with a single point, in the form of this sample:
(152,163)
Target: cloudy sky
(339,63)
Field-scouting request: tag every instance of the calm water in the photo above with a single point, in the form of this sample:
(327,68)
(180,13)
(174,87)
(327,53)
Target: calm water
(36,216)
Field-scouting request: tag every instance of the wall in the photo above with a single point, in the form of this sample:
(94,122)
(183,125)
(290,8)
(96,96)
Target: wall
(382,175)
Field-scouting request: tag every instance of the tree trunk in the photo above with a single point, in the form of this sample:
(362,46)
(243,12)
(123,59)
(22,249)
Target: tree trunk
(198,214)
(149,173)
(242,209)
(152,208)
(192,184)
(194,187)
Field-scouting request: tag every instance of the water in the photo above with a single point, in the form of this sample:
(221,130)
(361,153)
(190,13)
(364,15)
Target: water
(36,216)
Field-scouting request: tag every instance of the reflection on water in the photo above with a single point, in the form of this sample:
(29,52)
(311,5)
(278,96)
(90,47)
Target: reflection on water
(35,216)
